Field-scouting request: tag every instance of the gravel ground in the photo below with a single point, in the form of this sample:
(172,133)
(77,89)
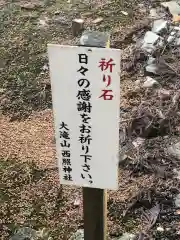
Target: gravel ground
(30,193)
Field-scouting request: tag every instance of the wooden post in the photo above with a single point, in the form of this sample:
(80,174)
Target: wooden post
(95,200)
(95,213)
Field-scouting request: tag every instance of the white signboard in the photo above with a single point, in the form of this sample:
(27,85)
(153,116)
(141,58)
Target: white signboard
(86,102)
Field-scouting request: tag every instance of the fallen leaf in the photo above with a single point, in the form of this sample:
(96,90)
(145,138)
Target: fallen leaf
(176,18)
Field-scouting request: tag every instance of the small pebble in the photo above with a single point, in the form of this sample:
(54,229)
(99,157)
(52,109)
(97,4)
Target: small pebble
(98,20)
(177,201)
(178,212)
(153,13)
(45,67)
(138,142)
(164,94)
(168,229)
(124,13)
(152,68)
(150,82)
(160,229)
(57,12)
(43,22)
(77,203)
(137,82)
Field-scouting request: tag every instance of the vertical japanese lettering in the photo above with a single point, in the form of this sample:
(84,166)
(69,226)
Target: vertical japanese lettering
(105,66)
(84,108)
(65,151)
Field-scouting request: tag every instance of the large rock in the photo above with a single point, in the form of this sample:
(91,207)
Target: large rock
(160,26)
(151,42)
(152,68)
(173,6)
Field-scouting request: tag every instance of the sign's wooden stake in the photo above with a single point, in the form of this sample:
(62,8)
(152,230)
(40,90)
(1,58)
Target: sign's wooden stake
(94,199)
(95,213)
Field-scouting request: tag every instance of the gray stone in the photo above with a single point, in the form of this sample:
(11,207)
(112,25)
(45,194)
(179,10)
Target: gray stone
(97,20)
(122,158)
(173,33)
(138,142)
(62,20)
(124,13)
(177,42)
(24,233)
(77,202)
(79,235)
(29,5)
(157,13)
(153,13)
(151,41)
(174,37)
(177,28)
(152,68)
(57,12)
(94,39)
(137,82)
(177,201)
(177,173)
(164,94)
(150,37)
(149,83)
(2,90)
(159,26)
(43,22)
(45,67)
(173,6)
(160,229)
(171,37)
(43,234)
(151,60)
(142,8)
(174,150)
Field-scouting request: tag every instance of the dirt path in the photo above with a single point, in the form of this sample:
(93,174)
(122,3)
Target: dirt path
(30,140)
(30,180)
